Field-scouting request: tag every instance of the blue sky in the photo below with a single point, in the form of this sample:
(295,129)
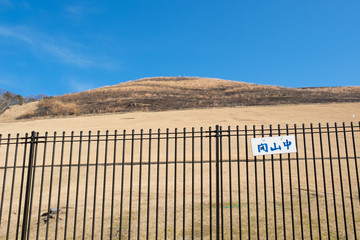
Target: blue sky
(58,47)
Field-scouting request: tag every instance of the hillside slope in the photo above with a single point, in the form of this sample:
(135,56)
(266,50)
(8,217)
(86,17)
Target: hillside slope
(174,93)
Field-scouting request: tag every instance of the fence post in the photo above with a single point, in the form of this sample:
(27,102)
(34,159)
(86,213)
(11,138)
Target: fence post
(217,182)
(28,186)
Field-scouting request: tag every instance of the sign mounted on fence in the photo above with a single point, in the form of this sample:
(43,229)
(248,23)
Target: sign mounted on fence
(273,145)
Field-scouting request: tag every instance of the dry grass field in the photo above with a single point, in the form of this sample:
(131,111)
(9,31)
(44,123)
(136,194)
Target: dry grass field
(252,115)
(178,93)
(240,175)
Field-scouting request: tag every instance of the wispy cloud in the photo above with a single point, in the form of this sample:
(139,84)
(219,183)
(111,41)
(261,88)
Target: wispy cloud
(14,33)
(68,56)
(60,51)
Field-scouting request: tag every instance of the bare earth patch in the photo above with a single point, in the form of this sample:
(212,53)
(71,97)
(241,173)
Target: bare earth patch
(17,111)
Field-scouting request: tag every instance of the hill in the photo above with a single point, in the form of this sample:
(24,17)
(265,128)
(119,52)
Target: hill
(175,93)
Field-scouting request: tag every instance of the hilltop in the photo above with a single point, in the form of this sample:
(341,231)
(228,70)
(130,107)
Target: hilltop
(177,93)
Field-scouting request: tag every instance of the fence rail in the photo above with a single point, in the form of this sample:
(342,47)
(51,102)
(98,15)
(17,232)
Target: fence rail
(181,184)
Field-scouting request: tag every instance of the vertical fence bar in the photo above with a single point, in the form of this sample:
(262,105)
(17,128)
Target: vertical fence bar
(201,184)
(291,192)
(140,174)
(184,181)
(122,183)
(332,180)
(104,183)
(282,188)
(238,173)
(131,180)
(256,192)
(315,176)
(217,184)
(230,186)
(28,185)
(59,188)
(157,184)
(77,185)
(86,184)
(341,179)
(349,179)
(95,184)
(5,171)
(221,185)
(265,194)
(247,182)
(50,187)
(68,185)
(21,185)
(32,186)
(210,182)
(175,178)
(113,184)
(274,190)
(324,181)
(192,181)
(307,179)
(12,186)
(299,188)
(148,190)
(166,180)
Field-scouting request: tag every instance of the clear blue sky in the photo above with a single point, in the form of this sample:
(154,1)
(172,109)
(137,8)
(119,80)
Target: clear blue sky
(58,47)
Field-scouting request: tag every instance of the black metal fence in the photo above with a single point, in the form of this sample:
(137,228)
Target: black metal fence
(182,184)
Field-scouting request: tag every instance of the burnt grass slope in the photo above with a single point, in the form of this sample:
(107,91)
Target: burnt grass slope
(174,93)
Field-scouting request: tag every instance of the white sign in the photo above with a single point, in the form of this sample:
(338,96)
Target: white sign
(273,145)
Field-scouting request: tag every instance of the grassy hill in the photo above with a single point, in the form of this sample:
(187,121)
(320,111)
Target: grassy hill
(171,93)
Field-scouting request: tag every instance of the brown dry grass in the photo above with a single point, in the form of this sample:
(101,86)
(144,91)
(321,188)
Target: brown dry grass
(247,177)
(203,117)
(57,107)
(175,93)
